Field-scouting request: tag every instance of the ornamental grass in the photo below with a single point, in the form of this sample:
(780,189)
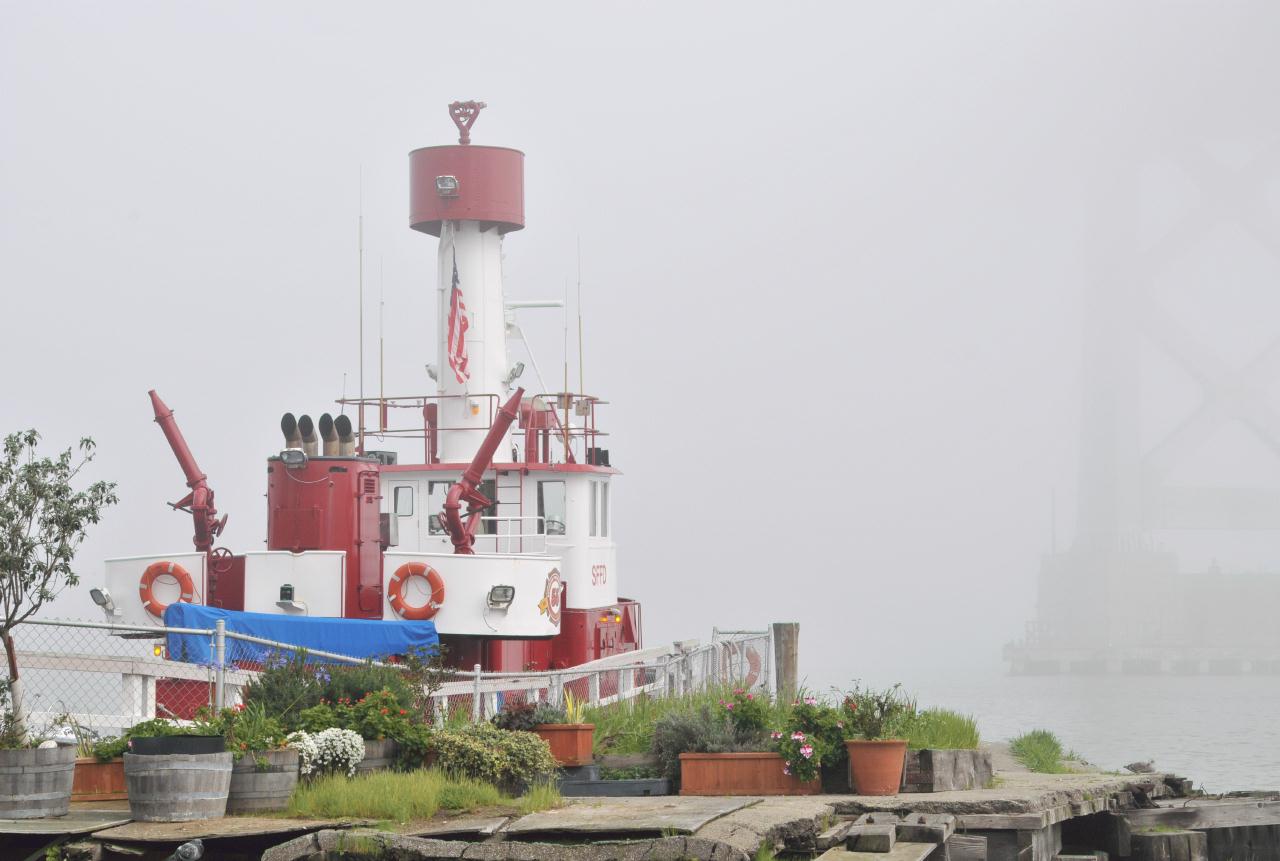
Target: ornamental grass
(392,796)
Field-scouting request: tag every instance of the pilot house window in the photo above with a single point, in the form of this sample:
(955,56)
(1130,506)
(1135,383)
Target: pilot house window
(404,501)
(551,511)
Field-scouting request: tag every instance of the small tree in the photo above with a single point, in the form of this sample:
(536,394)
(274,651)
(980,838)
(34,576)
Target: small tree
(43,519)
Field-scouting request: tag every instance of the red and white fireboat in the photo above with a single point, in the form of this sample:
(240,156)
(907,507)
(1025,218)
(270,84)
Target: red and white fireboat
(512,560)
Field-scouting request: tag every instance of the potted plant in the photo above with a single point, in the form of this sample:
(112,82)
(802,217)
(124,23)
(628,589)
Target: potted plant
(571,741)
(161,737)
(811,743)
(35,773)
(876,759)
(727,750)
(264,769)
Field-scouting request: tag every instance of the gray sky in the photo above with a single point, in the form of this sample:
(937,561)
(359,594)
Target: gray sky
(832,261)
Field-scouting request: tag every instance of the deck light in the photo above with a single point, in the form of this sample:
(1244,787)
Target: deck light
(102,598)
(293,458)
(447,186)
(500,597)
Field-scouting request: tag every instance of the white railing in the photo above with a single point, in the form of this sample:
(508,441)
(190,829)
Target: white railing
(107,675)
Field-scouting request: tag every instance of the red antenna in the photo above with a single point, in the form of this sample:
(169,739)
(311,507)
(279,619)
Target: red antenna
(464,116)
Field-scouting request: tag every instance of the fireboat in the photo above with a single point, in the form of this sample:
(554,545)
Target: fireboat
(512,560)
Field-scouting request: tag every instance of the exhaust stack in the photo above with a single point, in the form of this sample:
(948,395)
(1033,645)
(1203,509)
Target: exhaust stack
(328,435)
(346,436)
(310,442)
(289,427)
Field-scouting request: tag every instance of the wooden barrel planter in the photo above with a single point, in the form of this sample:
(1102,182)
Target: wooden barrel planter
(379,754)
(98,781)
(36,782)
(570,743)
(740,774)
(178,787)
(254,788)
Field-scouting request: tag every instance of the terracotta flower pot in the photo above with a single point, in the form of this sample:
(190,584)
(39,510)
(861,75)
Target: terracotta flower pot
(98,781)
(875,767)
(740,774)
(570,743)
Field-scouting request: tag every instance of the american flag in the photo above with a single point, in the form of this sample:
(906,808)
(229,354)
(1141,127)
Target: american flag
(457,345)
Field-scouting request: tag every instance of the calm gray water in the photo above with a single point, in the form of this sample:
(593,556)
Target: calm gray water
(1223,732)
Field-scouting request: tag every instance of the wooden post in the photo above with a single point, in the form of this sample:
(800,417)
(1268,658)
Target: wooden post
(786,659)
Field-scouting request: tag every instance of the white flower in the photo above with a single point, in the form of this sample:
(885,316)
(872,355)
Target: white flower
(329,750)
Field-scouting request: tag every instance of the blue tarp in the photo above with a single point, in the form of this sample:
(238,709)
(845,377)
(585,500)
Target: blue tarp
(357,638)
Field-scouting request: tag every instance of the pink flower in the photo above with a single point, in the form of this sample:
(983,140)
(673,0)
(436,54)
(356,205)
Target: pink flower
(811,701)
(840,724)
(797,736)
(751,696)
(775,735)
(729,706)
(806,751)
(739,691)
(786,769)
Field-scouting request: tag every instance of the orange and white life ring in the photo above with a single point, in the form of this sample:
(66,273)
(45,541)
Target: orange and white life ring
(154,572)
(395,591)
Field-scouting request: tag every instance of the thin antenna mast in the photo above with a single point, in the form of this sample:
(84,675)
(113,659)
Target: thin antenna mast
(360,282)
(564,398)
(382,391)
(582,386)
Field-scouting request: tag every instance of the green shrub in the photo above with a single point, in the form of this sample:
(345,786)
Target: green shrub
(516,715)
(1039,750)
(246,728)
(508,759)
(285,687)
(703,730)
(749,712)
(357,681)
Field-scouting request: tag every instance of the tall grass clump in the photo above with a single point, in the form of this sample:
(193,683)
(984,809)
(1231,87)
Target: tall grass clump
(939,728)
(1040,751)
(627,726)
(540,796)
(392,796)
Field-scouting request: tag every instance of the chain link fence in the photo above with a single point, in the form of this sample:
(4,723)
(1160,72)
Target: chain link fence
(109,677)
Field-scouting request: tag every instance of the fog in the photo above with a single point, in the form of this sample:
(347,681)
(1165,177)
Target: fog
(837,264)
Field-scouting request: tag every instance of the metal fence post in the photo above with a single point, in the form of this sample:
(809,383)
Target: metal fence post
(477,705)
(220,664)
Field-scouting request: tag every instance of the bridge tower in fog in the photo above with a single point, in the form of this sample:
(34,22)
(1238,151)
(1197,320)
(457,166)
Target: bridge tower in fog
(1117,599)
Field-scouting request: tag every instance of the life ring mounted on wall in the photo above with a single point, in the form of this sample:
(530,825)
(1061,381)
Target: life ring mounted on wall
(156,570)
(395,591)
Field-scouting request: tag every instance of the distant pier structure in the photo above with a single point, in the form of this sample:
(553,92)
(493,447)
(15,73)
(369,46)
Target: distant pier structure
(1175,562)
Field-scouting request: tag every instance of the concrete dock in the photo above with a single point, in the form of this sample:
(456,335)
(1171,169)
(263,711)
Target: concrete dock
(1024,817)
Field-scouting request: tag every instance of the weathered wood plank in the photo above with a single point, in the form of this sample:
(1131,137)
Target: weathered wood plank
(967,848)
(900,852)
(1206,814)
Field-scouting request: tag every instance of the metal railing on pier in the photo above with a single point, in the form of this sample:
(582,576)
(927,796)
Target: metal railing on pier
(110,676)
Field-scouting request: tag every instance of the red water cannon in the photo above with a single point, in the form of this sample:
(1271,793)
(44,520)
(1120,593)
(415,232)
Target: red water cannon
(199,502)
